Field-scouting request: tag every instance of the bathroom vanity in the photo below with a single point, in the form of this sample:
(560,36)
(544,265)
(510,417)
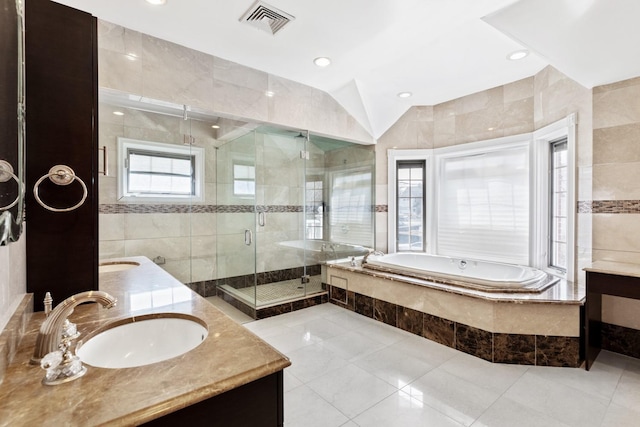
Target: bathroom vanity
(231,378)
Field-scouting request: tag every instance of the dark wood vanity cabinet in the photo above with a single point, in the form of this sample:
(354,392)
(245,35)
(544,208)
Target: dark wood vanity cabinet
(598,284)
(62,129)
(257,404)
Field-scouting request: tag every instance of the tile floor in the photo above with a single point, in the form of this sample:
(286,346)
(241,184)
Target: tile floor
(348,370)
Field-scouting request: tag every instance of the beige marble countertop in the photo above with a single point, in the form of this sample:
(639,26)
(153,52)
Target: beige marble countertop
(617,268)
(563,292)
(229,357)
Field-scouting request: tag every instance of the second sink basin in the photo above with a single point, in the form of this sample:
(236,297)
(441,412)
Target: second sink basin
(142,340)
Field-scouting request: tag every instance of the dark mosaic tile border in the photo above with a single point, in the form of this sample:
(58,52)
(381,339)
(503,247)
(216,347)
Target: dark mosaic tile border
(621,340)
(382,208)
(143,208)
(494,347)
(609,206)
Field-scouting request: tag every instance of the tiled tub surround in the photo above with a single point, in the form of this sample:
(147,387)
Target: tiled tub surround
(228,358)
(533,329)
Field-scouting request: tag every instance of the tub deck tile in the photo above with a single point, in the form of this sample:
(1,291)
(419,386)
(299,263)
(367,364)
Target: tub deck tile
(514,348)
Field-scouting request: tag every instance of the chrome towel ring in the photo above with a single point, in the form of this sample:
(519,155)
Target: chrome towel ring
(60,175)
(6,173)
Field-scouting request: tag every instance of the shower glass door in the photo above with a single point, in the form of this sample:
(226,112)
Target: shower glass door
(236,219)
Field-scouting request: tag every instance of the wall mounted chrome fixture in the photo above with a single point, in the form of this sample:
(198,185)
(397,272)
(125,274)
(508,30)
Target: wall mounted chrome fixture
(60,175)
(6,173)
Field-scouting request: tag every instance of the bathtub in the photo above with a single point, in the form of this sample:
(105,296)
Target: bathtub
(468,273)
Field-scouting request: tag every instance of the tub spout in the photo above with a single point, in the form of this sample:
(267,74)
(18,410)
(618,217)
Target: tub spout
(376,253)
(56,325)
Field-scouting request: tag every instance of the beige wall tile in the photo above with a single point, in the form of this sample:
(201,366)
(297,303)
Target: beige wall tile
(171,248)
(616,181)
(111,249)
(616,232)
(176,74)
(111,226)
(116,70)
(616,144)
(616,107)
(632,257)
(538,319)
(518,90)
(156,225)
(621,311)
(483,100)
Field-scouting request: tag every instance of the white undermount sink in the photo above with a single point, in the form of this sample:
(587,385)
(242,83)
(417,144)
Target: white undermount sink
(108,267)
(142,340)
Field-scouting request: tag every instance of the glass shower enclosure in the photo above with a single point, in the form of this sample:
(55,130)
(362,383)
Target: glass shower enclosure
(288,201)
(266,206)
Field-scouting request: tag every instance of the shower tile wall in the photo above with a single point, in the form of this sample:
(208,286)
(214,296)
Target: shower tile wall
(184,239)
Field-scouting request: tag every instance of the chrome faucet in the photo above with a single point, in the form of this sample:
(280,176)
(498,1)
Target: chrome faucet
(372,252)
(57,326)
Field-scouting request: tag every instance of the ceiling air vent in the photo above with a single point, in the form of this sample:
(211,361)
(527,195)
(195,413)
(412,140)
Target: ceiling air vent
(266,17)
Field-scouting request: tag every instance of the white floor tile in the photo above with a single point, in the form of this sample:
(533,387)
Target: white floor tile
(383,333)
(493,376)
(627,393)
(345,365)
(305,408)
(351,389)
(428,351)
(507,413)
(600,381)
(352,345)
(457,398)
(401,410)
(559,401)
(313,361)
(320,328)
(288,340)
(290,381)
(619,416)
(396,368)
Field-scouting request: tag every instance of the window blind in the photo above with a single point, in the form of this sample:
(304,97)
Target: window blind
(483,206)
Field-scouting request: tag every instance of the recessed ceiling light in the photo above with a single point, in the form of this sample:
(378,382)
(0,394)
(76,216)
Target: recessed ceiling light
(405,95)
(518,54)
(118,113)
(156,2)
(215,127)
(322,61)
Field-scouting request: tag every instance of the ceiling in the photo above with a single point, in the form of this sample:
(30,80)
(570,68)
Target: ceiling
(436,49)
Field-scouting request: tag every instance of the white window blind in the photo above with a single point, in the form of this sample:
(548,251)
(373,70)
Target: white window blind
(351,215)
(483,205)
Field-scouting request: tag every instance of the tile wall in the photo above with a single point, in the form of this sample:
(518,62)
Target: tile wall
(616,197)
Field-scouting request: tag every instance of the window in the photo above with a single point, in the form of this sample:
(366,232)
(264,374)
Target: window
(152,170)
(558,180)
(350,213)
(410,192)
(554,249)
(315,209)
(508,199)
(244,180)
(483,204)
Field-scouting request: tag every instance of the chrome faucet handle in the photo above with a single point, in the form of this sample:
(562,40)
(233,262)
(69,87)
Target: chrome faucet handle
(61,365)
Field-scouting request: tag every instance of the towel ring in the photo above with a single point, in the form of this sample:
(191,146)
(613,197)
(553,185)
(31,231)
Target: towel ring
(60,175)
(6,173)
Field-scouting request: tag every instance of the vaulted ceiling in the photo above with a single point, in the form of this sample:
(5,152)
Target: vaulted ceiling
(436,49)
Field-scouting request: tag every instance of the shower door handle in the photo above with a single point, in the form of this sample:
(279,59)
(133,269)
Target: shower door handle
(248,237)
(261,219)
